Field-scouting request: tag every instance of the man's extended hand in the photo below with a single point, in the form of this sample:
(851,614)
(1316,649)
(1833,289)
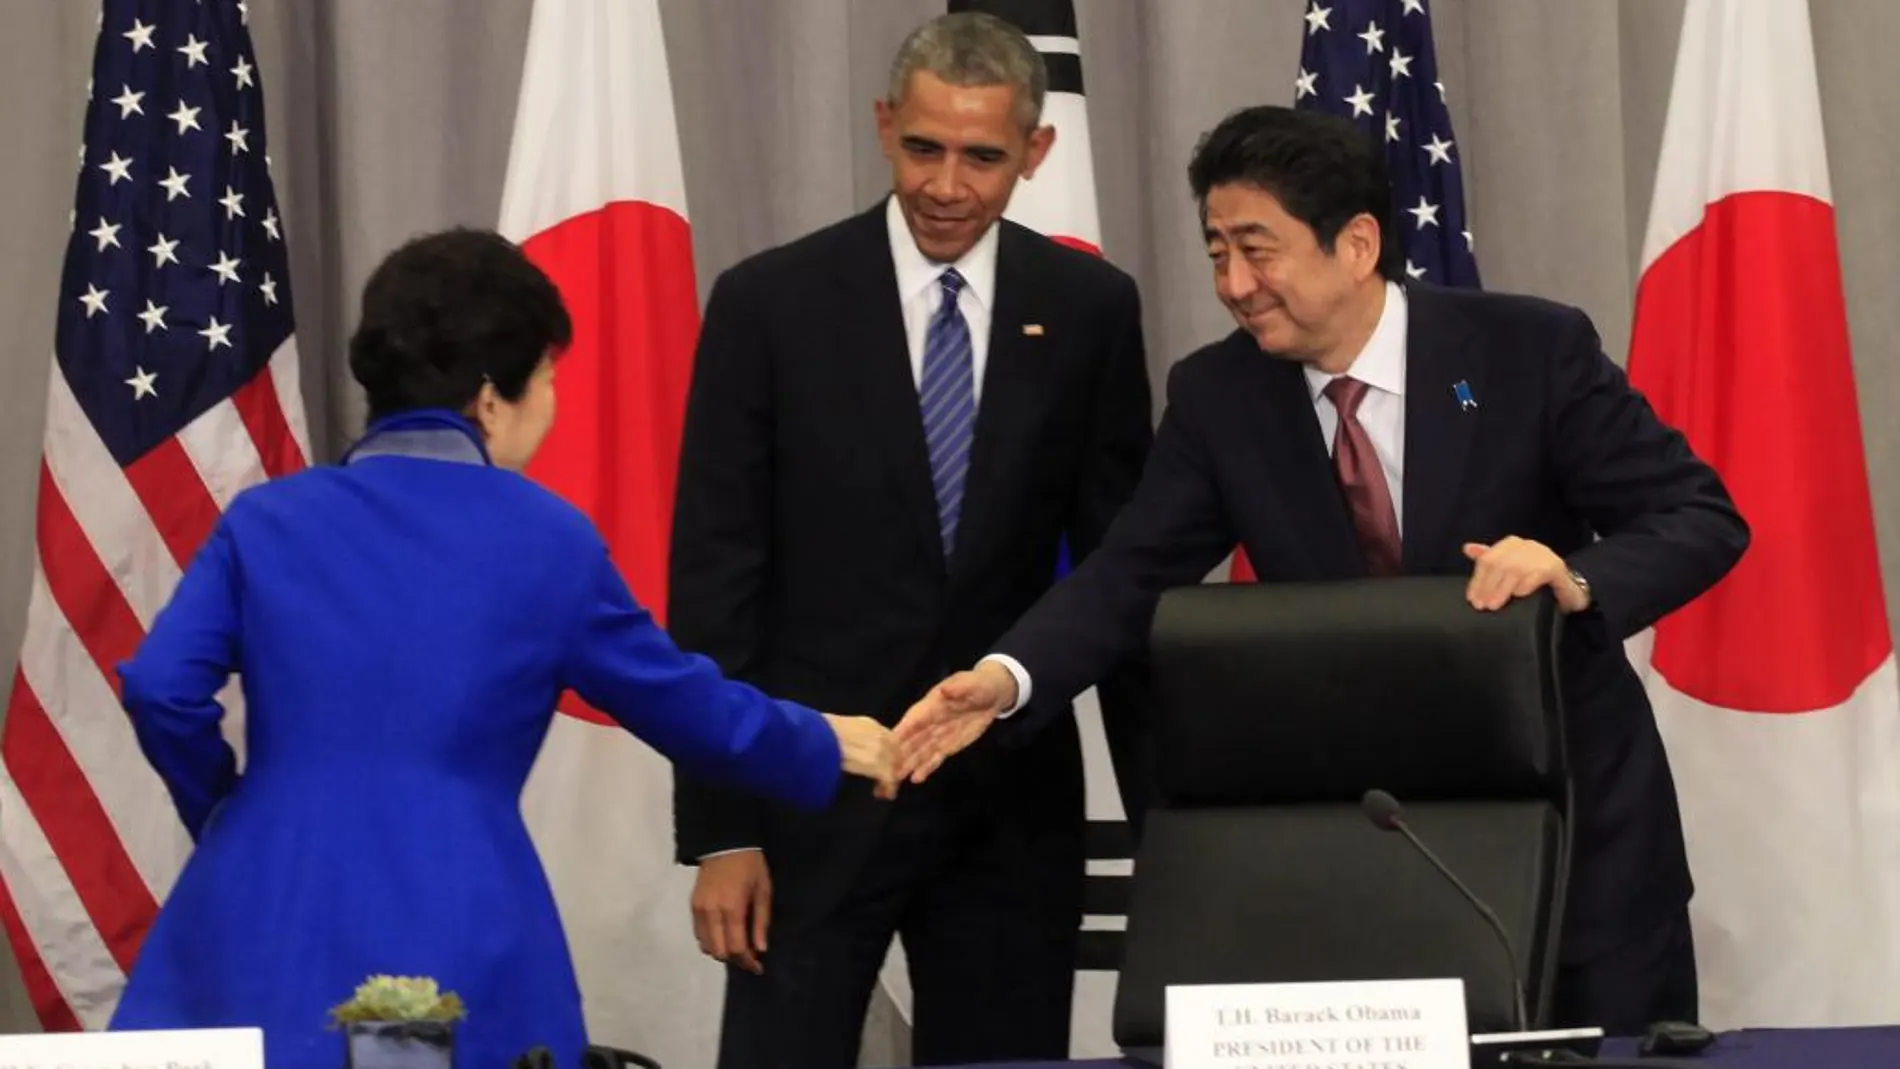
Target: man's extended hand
(1516,567)
(953,715)
(732,907)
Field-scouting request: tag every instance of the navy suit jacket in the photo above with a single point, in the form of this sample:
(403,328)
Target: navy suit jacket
(1559,449)
(806,557)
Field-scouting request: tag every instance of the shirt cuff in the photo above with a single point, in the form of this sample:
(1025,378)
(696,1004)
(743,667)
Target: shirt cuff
(1022,681)
(728,850)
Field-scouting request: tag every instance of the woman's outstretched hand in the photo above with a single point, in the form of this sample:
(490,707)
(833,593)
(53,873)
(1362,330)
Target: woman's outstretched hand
(870,750)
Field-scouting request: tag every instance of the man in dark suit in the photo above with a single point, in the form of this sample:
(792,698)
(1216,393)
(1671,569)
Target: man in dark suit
(1355,425)
(894,424)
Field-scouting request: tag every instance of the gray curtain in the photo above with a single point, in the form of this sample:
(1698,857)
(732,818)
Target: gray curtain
(389,117)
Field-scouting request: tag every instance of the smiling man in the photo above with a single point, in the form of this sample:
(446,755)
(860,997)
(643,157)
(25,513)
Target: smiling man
(894,424)
(1355,425)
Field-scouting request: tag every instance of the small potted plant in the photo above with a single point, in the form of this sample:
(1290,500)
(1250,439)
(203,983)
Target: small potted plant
(399,1022)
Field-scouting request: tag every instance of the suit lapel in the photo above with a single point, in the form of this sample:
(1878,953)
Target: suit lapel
(1301,467)
(1007,408)
(1438,427)
(871,330)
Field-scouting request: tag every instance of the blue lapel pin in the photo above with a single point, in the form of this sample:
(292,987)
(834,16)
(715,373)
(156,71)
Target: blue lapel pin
(1462,391)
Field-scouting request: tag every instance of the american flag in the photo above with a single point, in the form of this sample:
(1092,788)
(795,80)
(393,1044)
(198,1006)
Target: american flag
(1372,61)
(174,386)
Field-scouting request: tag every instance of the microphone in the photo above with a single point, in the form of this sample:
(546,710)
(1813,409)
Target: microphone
(1386,815)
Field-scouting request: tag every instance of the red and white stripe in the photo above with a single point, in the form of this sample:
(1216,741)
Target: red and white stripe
(596,195)
(1776,691)
(89,841)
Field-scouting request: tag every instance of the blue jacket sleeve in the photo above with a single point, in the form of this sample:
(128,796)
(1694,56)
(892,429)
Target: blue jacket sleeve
(621,662)
(169,686)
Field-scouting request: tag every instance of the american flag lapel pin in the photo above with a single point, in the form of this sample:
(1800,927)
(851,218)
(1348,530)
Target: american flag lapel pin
(1032,330)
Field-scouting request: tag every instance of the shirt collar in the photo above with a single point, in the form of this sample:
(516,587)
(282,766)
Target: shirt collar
(916,274)
(1381,364)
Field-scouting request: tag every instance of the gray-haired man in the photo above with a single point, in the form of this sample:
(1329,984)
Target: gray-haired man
(894,424)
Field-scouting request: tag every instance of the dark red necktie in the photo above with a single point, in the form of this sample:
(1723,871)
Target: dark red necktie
(1362,479)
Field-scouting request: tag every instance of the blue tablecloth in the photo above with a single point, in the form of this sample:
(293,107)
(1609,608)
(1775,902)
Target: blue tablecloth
(1826,1048)
(1819,1048)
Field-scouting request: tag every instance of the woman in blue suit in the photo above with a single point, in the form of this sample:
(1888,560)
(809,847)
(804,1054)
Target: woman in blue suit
(403,624)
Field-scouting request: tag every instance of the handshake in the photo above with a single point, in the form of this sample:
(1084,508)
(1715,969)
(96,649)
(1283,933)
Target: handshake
(732,897)
(943,723)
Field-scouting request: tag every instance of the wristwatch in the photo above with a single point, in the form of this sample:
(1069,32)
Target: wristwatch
(1583,585)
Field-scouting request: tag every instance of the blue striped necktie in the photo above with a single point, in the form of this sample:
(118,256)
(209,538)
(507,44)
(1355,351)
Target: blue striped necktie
(947,393)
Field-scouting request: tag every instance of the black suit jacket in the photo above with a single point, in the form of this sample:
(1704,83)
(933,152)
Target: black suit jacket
(806,557)
(1559,449)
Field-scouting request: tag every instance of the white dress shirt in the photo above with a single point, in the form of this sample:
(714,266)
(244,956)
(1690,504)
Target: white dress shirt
(920,294)
(1381,366)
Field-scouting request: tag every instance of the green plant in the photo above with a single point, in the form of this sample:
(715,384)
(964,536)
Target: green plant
(399,998)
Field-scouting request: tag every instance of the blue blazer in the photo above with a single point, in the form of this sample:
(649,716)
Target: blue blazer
(403,625)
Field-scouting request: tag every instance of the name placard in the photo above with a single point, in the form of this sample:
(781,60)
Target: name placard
(198,1048)
(1374,1024)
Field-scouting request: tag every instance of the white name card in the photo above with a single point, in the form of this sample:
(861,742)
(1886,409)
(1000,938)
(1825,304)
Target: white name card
(206,1048)
(1377,1024)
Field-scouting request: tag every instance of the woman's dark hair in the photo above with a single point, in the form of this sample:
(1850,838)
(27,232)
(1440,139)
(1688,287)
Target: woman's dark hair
(1322,169)
(449,311)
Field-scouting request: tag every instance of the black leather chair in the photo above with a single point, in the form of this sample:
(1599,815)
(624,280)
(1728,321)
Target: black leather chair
(1277,706)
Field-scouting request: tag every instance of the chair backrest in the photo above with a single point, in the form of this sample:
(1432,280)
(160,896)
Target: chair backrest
(1276,707)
